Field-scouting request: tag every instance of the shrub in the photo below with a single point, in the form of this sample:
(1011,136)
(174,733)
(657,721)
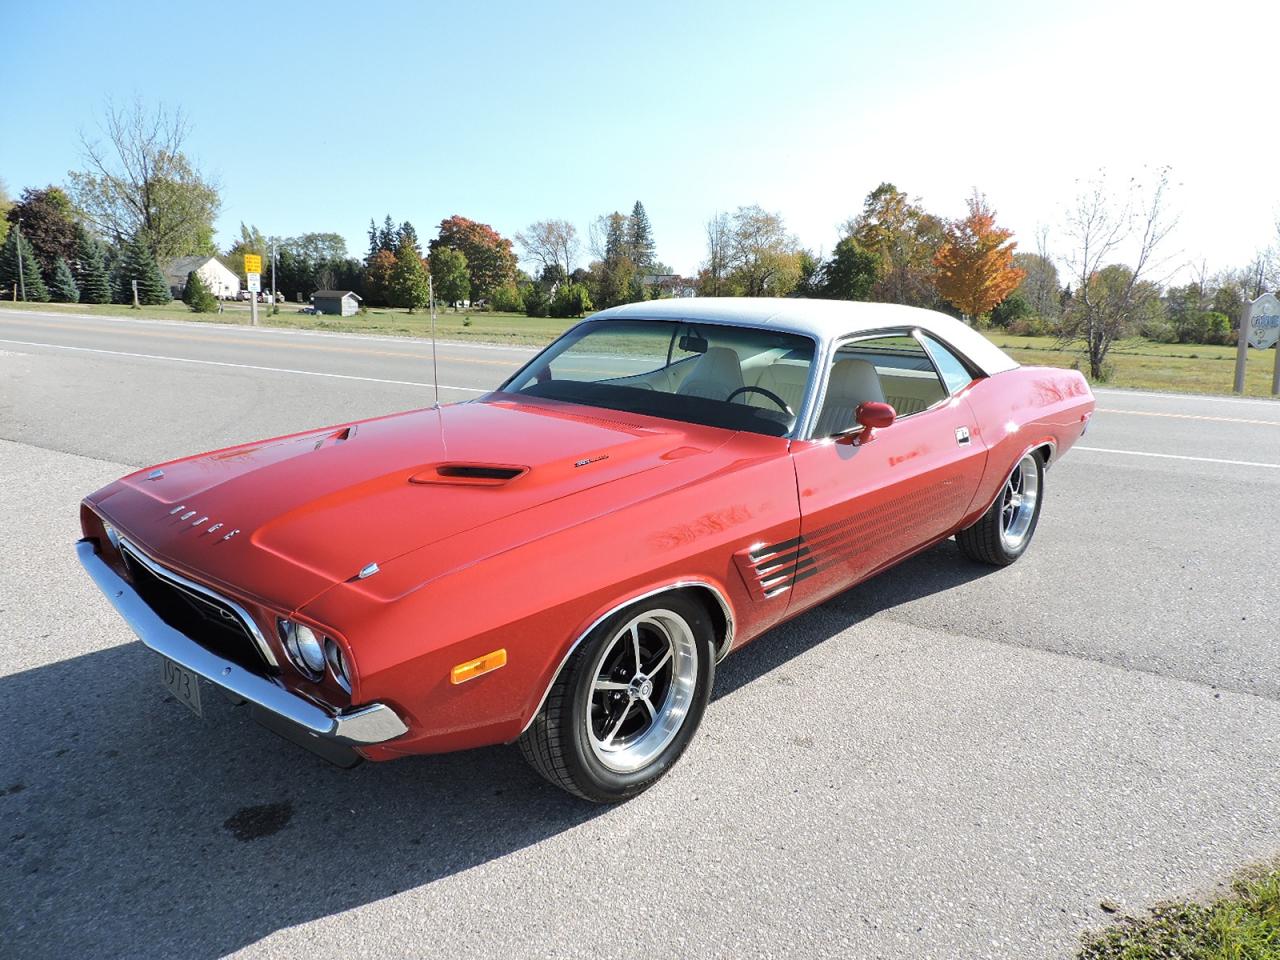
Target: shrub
(507,299)
(571,300)
(536,303)
(198,296)
(1030,327)
(1010,310)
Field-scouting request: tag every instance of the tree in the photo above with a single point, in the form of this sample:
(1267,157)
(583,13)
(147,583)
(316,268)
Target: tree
(570,300)
(712,277)
(639,239)
(140,185)
(19,269)
(197,295)
(251,242)
(904,238)
(975,268)
(850,274)
(449,276)
(137,262)
(6,203)
(409,286)
(377,279)
(1039,290)
(406,234)
(550,243)
(490,261)
(1105,308)
(62,285)
(763,259)
(48,224)
(89,268)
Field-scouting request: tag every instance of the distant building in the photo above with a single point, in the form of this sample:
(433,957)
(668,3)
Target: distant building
(339,303)
(670,284)
(222,283)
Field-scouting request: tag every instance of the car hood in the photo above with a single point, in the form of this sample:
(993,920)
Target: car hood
(284,519)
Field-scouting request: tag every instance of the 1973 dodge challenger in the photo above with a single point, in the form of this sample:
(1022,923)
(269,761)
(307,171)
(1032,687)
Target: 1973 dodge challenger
(563,562)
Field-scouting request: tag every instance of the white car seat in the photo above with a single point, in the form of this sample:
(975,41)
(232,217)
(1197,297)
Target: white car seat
(715,375)
(853,382)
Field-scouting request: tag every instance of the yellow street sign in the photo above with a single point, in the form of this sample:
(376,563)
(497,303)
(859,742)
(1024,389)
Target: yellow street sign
(252,263)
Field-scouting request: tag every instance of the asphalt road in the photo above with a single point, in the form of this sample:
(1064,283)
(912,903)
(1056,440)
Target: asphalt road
(943,762)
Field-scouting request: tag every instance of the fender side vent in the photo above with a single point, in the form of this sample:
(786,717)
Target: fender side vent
(470,474)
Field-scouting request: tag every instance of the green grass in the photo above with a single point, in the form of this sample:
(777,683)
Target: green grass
(480,326)
(1137,364)
(1244,925)
(1143,365)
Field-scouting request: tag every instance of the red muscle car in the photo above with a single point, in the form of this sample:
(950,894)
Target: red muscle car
(562,562)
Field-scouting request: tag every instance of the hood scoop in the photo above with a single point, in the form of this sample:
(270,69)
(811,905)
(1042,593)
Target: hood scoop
(470,474)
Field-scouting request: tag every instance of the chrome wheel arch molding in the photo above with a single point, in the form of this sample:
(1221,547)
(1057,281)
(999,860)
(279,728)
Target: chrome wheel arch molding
(724,638)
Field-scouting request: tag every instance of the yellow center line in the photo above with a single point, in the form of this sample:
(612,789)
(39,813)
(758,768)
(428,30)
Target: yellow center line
(1188,416)
(292,345)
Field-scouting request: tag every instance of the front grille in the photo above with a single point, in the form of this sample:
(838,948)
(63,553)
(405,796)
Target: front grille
(209,620)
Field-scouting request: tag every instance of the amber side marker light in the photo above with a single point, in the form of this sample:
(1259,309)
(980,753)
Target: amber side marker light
(479,666)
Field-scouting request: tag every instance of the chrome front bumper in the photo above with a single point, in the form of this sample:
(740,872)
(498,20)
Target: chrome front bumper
(362,726)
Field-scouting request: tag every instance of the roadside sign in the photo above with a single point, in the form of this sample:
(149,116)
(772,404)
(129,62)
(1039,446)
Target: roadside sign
(252,263)
(1264,322)
(255,282)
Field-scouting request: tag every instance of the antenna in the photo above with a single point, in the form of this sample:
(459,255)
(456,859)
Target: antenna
(435,371)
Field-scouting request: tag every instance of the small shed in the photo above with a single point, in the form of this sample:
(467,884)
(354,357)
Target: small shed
(339,303)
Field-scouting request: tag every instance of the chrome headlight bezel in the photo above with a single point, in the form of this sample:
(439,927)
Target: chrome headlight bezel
(337,661)
(304,648)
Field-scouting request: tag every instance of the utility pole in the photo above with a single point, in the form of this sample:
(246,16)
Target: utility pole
(22,281)
(273,275)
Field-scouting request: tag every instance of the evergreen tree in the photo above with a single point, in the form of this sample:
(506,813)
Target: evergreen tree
(387,235)
(138,263)
(17,253)
(89,269)
(409,287)
(640,238)
(62,287)
(406,234)
(198,296)
(374,247)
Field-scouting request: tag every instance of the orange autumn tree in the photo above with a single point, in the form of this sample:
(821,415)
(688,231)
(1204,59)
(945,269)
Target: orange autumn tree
(974,265)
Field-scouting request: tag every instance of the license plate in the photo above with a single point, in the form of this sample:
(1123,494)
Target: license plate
(182,683)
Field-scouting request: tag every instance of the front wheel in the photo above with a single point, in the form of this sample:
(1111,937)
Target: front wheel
(628,701)
(1005,531)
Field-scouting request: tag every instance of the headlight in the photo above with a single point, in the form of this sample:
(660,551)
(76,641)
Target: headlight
(337,664)
(303,648)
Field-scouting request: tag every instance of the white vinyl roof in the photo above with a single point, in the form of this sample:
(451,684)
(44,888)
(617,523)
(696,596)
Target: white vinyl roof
(824,320)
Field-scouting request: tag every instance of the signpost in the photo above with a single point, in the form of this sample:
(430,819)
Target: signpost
(253,274)
(1260,329)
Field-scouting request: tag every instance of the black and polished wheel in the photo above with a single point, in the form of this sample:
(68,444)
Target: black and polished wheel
(1005,530)
(626,704)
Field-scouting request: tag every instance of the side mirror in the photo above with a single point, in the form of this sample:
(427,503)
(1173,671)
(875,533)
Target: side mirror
(870,417)
(875,416)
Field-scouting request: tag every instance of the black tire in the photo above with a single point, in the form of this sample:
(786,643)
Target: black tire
(988,540)
(559,742)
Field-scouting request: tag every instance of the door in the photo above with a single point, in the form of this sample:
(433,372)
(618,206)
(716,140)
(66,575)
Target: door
(866,501)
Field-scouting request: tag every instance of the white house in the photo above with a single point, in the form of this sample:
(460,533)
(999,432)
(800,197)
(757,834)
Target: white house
(222,283)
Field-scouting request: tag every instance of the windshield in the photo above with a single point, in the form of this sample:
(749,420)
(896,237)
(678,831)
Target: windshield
(734,377)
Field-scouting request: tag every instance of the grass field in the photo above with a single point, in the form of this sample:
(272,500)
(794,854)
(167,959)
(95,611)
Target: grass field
(510,328)
(1138,364)
(1245,925)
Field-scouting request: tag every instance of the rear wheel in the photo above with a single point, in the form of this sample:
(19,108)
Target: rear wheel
(628,701)
(1005,531)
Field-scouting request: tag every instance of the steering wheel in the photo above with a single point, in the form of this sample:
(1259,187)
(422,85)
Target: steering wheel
(768,393)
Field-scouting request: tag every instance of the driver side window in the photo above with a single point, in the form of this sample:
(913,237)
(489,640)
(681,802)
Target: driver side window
(890,369)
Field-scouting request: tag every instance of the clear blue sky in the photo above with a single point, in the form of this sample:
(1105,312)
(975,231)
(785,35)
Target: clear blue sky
(508,113)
